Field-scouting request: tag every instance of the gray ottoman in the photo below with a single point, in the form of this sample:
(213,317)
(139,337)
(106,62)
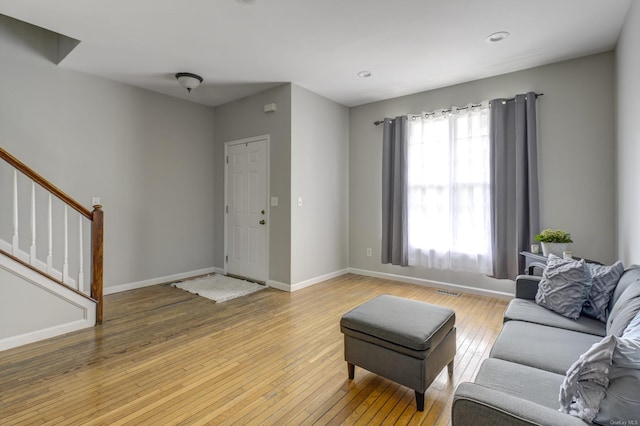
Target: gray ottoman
(404,340)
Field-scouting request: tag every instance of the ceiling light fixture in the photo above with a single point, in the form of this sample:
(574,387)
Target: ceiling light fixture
(188,80)
(364,74)
(497,36)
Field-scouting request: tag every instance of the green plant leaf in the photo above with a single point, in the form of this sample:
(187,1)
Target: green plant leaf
(554,236)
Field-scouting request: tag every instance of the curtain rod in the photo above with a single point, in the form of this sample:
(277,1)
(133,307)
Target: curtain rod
(378,122)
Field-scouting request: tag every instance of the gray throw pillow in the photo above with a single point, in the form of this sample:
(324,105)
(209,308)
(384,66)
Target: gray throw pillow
(601,285)
(561,287)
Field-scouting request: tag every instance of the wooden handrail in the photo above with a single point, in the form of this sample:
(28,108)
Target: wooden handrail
(19,165)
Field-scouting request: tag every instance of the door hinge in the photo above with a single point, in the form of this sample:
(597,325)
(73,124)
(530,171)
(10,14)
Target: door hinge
(227,159)
(226,259)
(226,209)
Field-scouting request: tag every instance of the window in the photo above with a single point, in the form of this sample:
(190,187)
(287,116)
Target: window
(449,213)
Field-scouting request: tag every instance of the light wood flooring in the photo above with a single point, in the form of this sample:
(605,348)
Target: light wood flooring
(164,356)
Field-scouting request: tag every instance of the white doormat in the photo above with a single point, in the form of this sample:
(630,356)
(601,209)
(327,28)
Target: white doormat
(219,288)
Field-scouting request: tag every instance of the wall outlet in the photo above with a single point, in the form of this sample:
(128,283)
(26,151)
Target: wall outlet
(369,252)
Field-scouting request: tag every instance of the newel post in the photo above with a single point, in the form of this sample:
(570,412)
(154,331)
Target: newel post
(97,234)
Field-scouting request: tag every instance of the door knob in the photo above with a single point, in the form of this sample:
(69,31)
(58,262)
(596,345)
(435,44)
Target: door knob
(262,222)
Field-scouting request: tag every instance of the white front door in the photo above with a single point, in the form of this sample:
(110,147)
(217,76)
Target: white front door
(246,217)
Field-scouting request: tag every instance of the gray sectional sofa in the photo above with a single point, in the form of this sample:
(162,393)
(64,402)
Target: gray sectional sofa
(519,384)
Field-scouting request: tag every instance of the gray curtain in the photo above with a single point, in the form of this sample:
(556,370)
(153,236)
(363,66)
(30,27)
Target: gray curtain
(395,245)
(514,182)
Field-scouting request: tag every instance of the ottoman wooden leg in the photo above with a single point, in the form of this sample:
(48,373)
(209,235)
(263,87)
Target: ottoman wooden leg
(450,368)
(420,401)
(352,369)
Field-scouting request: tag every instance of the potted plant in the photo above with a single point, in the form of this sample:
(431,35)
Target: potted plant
(554,241)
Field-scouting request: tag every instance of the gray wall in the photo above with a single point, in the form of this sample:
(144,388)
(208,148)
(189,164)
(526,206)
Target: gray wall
(246,118)
(576,159)
(628,113)
(153,160)
(149,157)
(319,174)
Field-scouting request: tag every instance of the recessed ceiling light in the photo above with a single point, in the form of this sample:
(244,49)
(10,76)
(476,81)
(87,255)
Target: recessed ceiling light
(246,2)
(498,36)
(364,74)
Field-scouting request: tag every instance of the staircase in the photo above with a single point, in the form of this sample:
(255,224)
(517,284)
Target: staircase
(47,243)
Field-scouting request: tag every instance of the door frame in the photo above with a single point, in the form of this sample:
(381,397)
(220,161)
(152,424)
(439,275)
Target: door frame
(267,139)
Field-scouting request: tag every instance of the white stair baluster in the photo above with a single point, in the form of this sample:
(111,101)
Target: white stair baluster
(15,241)
(81,260)
(50,242)
(65,265)
(32,248)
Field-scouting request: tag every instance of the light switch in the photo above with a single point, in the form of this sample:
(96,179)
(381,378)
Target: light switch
(95,201)
(274,201)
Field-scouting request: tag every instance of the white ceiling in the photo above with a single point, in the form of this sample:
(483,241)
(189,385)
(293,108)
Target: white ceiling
(240,49)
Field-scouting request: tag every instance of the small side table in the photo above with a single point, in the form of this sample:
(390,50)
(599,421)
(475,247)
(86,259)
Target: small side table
(533,261)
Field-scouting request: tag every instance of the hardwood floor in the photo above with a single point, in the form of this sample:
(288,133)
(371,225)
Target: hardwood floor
(165,356)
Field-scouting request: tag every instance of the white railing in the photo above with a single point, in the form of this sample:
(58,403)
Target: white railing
(58,268)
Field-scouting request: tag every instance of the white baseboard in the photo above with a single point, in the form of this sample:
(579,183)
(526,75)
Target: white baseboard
(312,281)
(306,283)
(35,336)
(279,286)
(318,279)
(432,283)
(161,280)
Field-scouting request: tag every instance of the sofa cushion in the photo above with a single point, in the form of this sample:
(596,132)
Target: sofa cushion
(540,346)
(516,379)
(602,282)
(477,405)
(631,275)
(527,310)
(562,285)
(625,309)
